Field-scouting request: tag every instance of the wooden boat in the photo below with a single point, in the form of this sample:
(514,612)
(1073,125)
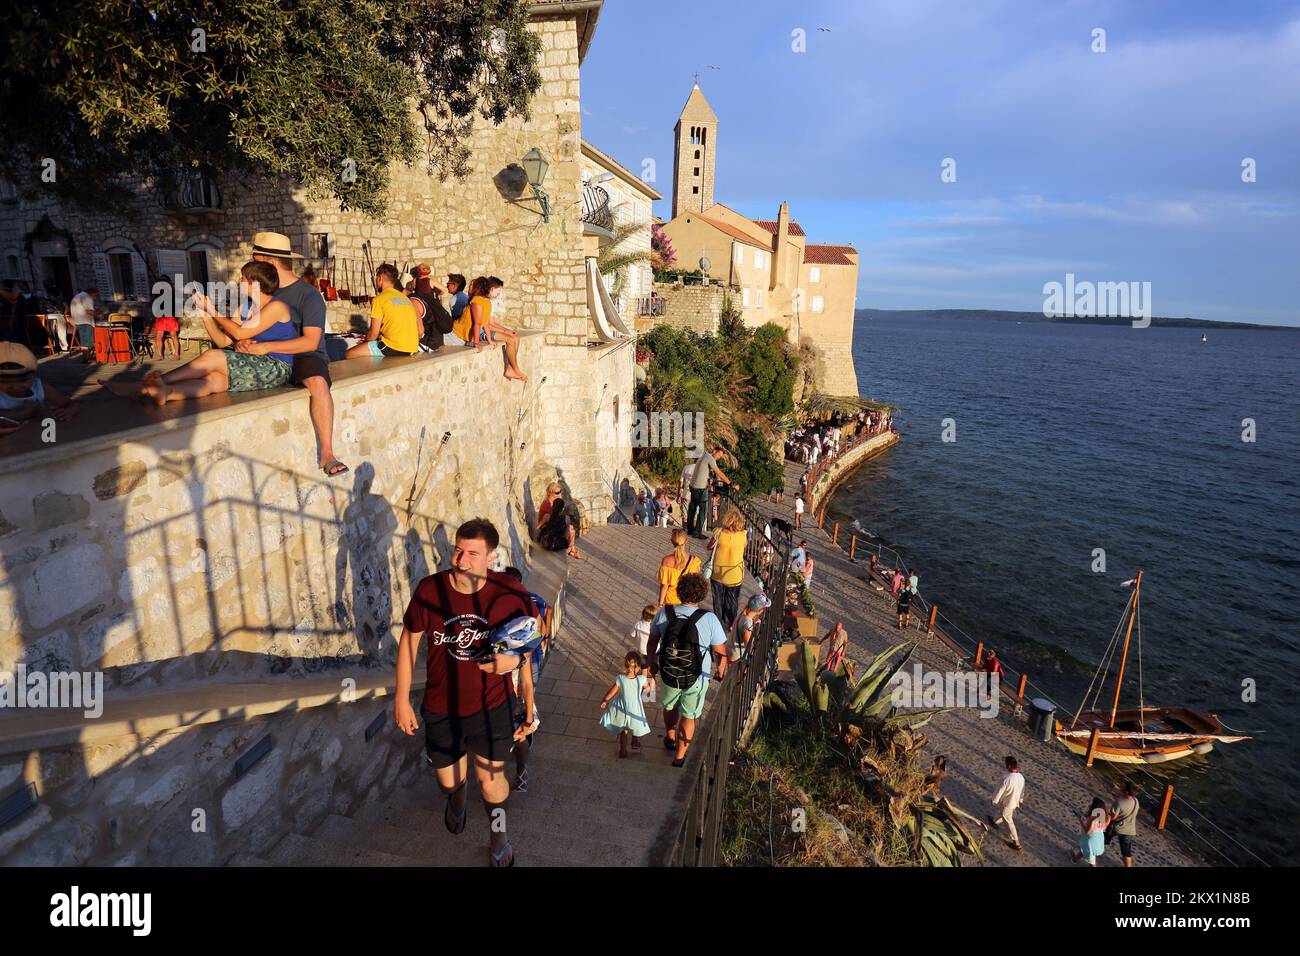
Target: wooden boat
(1142,734)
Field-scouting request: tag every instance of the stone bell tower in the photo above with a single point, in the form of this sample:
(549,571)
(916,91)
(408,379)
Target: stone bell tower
(694,160)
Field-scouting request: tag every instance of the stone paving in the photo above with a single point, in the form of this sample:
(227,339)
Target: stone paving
(584,806)
(1056,782)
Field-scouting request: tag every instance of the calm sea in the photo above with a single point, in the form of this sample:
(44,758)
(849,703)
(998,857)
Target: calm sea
(1074,438)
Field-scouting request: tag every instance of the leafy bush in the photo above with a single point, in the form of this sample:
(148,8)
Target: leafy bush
(770,371)
(757,469)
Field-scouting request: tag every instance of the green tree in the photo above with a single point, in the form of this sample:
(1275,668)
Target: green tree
(323,92)
(770,370)
(757,468)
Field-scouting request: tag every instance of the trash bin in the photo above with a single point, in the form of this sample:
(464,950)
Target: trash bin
(1042,718)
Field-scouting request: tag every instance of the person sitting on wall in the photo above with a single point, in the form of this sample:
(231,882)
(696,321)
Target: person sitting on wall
(395,331)
(222,369)
(475,326)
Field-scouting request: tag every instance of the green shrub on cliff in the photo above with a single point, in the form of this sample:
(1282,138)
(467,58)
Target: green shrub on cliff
(756,469)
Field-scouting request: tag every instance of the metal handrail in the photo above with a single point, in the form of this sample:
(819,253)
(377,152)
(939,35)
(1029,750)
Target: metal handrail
(697,842)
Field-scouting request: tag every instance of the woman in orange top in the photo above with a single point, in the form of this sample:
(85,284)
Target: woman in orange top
(475,326)
(673,566)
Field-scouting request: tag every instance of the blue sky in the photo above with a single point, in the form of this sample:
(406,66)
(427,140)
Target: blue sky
(1115,166)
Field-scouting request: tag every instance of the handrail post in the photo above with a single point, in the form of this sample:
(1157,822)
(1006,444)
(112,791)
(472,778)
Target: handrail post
(821,517)
(1020,691)
(979,654)
(1093,739)
(873,564)
(835,536)
(934,612)
(853,546)
(1165,802)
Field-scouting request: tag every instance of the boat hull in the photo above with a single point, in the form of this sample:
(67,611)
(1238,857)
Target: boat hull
(1195,730)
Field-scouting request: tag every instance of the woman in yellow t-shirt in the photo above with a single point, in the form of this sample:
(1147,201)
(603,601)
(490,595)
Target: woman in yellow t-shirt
(673,566)
(475,326)
(728,547)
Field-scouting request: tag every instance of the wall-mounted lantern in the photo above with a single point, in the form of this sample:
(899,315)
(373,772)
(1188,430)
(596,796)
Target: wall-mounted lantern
(535,167)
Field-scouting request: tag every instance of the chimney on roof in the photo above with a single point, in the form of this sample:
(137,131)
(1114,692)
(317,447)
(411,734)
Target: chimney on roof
(780,252)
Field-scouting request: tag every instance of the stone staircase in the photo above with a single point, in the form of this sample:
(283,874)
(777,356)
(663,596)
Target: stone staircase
(584,806)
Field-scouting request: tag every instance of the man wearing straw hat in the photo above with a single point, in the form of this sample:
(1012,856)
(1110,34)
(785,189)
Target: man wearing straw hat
(311,364)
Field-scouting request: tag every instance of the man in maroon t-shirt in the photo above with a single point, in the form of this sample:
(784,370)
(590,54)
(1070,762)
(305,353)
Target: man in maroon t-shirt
(466,707)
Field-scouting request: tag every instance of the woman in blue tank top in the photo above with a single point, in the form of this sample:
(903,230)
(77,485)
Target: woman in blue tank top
(223,369)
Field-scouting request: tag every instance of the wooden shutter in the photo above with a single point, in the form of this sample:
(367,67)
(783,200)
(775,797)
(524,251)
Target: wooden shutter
(140,276)
(103,278)
(172,262)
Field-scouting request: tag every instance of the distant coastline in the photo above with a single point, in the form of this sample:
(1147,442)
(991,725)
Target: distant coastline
(995,315)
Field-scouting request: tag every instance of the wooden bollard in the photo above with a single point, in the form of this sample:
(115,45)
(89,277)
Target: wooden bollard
(853,546)
(1165,801)
(1020,691)
(979,654)
(835,535)
(1092,746)
(934,612)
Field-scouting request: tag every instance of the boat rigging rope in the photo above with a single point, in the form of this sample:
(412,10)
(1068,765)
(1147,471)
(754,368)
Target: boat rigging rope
(1102,668)
(1137,614)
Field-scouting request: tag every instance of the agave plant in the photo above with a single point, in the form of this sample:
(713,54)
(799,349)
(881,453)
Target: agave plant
(882,745)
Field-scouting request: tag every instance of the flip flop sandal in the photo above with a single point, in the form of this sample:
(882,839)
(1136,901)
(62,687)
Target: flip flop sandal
(494,859)
(670,743)
(333,468)
(456,825)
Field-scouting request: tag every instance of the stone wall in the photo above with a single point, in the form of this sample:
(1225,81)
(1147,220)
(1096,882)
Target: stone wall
(694,307)
(834,373)
(176,799)
(211,545)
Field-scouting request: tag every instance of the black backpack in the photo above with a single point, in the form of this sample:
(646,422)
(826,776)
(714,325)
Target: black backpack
(554,535)
(681,659)
(436,314)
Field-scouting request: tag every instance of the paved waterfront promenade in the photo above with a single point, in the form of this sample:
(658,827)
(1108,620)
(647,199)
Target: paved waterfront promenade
(1056,782)
(587,807)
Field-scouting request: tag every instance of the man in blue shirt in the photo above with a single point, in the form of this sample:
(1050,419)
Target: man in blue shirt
(459,299)
(688,703)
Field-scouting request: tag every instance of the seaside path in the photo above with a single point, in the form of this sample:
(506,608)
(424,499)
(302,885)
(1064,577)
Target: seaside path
(1056,781)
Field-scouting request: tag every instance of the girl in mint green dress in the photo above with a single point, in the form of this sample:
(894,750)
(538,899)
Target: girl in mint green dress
(623,710)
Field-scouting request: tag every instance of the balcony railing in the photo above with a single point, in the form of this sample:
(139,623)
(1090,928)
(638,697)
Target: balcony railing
(595,208)
(192,190)
(650,305)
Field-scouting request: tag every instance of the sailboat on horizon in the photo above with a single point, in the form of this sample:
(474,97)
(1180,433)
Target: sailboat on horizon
(1144,734)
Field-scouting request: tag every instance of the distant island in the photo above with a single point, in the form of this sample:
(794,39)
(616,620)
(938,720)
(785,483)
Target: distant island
(995,315)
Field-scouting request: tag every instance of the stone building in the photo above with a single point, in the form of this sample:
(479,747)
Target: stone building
(196,557)
(616,205)
(774,273)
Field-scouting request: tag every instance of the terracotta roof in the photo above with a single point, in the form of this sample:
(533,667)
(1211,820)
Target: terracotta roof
(770,226)
(619,170)
(729,229)
(822,255)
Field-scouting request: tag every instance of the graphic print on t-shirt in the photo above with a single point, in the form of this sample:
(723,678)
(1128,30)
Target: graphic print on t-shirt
(465,636)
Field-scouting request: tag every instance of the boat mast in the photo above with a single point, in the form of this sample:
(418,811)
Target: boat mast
(1132,613)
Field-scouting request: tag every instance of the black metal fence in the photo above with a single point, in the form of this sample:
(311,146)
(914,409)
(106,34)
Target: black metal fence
(767,558)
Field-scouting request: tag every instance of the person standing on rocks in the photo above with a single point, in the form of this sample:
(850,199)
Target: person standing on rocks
(1008,799)
(467,706)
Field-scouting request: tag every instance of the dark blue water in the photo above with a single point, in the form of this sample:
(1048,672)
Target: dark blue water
(1072,438)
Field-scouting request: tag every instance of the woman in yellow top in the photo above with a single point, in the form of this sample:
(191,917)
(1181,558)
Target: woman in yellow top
(728,547)
(395,330)
(673,566)
(475,325)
